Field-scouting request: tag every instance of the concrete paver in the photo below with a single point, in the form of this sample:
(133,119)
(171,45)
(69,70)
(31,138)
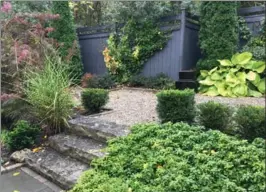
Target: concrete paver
(25,181)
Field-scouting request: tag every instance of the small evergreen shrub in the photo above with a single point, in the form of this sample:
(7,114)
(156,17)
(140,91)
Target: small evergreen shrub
(251,121)
(101,82)
(214,115)
(176,105)
(22,136)
(94,99)
(160,81)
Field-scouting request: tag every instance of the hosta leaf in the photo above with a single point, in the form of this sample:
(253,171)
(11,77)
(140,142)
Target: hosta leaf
(234,59)
(216,76)
(261,86)
(258,66)
(221,88)
(253,93)
(240,90)
(241,58)
(207,81)
(241,76)
(211,71)
(229,92)
(253,77)
(203,73)
(203,89)
(212,91)
(225,62)
(231,80)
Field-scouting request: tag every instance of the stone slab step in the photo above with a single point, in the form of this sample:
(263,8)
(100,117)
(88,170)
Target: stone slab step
(96,128)
(81,148)
(62,170)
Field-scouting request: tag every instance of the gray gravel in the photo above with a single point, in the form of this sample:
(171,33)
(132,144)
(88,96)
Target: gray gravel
(131,106)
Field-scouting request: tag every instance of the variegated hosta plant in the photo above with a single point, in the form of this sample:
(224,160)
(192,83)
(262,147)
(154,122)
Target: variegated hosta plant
(239,77)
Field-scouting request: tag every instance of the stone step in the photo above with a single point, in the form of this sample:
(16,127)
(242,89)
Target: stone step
(187,74)
(187,83)
(62,170)
(96,128)
(80,148)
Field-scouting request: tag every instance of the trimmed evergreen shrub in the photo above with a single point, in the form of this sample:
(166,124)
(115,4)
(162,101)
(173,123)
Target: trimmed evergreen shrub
(177,157)
(218,34)
(22,136)
(65,34)
(94,99)
(251,121)
(176,105)
(213,115)
(160,81)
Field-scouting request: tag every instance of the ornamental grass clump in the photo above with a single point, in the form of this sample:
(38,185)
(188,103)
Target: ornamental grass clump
(94,99)
(176,105)
(48,91)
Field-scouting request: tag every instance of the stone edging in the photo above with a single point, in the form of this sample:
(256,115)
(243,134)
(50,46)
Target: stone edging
(136,89)
(11,167)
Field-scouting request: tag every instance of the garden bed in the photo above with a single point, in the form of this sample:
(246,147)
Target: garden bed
(137,105)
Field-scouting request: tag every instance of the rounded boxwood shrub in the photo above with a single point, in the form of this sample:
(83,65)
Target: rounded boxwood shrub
(176,105)
(22,136)
(177,157)
(251,121)
(94,99)
(213,115)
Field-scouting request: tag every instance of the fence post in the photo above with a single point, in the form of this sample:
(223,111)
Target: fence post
(182,37)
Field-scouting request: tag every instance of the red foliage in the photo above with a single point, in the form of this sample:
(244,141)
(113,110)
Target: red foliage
(85,78)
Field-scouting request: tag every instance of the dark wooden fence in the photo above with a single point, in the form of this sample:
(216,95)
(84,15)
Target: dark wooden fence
(181,52)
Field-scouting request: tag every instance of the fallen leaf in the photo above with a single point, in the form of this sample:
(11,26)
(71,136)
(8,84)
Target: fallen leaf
(15,191)
(36,149)
(16,174)
(45,137)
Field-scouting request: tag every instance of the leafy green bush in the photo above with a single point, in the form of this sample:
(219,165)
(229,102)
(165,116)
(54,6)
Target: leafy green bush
(256,45)
(102,82)
(22,136)
(160,81)
(177,157)
(251,121)
(48,91)
(237,77)
(65,34)
(13,110)
(218,34)
(94,99)
(176,105)
(214,115)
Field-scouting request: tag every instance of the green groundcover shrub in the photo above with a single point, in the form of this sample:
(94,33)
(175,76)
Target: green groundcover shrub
(251,121)
(160,81)
(176,105)
(177,157)
(101,82)
(94,99)
(22,136)
(213,115)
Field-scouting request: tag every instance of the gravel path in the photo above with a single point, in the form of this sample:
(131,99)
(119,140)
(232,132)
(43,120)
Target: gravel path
(131,106)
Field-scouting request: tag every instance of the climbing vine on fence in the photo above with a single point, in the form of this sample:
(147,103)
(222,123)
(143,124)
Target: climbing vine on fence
(129,48)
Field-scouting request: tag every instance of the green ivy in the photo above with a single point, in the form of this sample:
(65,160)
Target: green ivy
(131,47)
(65,34)
(244,31)
(218,35)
